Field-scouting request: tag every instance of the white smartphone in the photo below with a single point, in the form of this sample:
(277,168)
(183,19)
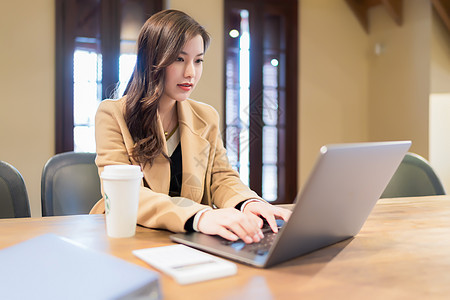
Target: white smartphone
(186,265)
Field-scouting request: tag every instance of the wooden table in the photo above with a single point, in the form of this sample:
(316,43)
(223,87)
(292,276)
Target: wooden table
(402,252)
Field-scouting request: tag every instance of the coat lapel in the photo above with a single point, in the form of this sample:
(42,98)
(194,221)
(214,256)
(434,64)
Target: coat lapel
(195,151)
(158,175)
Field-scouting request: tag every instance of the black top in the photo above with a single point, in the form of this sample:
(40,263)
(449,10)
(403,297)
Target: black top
(176,172)
(176,177)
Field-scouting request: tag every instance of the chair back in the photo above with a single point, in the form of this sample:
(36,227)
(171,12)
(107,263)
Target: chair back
(414,177)
(14,201)
(70,184)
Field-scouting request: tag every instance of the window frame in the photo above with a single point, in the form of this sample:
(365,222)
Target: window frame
(65,34)
(287,138)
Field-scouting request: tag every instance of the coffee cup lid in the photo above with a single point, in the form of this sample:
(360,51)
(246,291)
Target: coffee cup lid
(121,172)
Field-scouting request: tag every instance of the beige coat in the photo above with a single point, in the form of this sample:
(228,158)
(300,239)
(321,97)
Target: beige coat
(208,179)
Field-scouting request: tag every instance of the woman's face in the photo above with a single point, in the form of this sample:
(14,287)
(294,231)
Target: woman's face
(184,73)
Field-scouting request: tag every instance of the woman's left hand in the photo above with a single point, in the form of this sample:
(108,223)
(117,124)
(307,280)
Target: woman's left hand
(268,212)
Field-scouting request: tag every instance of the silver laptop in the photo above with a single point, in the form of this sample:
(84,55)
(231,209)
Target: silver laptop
(344,186)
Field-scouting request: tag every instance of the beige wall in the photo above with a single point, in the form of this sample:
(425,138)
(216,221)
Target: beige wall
(439,133)
(27,85)
(349,93)
(440,57)
(440,101)
(333,80)
(400,76)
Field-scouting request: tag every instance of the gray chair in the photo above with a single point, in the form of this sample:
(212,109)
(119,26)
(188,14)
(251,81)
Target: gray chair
(13,193)
(414,177)
(70,184)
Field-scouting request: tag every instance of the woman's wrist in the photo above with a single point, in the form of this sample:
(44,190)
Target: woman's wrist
(248,202)
(197,217)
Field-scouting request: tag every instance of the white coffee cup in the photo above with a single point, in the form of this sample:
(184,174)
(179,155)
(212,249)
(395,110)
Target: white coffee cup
(121,185)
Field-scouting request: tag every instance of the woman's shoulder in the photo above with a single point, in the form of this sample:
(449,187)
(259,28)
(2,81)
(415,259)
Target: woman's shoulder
(111,110)
(113,102)
(112,105)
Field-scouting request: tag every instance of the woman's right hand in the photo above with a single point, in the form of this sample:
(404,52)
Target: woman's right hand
(231,224)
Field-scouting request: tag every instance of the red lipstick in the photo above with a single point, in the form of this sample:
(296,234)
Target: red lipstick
(185,86)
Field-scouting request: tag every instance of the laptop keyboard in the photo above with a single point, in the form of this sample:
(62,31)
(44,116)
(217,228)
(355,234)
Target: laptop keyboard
(260,248)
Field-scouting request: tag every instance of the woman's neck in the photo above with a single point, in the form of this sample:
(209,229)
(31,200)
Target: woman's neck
(168,114)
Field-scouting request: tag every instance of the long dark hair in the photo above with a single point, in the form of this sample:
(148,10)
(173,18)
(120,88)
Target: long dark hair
(160,42)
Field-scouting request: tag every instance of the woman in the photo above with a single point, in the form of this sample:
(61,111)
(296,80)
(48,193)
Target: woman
(176,140)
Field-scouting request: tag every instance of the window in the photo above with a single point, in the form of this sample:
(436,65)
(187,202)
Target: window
(95,55)
(260,103)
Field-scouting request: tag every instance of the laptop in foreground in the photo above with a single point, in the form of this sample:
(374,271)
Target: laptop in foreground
(344,186)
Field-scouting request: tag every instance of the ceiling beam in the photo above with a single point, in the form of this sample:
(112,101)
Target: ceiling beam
(395,10)
(360,9)
(442,8)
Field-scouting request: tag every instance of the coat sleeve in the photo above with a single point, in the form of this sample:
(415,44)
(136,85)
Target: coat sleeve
(113,144)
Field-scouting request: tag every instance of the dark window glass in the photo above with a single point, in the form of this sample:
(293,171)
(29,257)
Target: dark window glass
(95,55)
(260,103)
